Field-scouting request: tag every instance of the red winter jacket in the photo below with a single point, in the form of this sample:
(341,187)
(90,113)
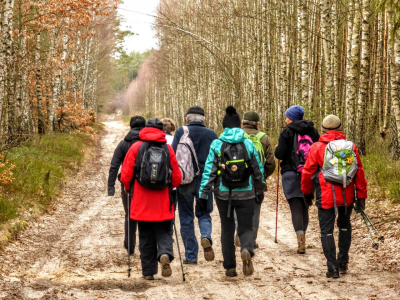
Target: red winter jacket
(324,193)
(150,205)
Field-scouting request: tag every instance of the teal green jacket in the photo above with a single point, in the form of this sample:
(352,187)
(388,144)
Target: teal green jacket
(211,177)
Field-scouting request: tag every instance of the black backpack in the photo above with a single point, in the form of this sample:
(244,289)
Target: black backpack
(235,167)
(152,167)
(234,164)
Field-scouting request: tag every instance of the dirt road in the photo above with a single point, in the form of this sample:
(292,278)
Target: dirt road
(75,252)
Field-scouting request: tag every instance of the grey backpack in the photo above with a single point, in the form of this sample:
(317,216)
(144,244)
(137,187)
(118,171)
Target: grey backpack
(340,162)
(186,157)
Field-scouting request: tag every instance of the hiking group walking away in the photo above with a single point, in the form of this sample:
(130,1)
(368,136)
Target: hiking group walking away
(190,169)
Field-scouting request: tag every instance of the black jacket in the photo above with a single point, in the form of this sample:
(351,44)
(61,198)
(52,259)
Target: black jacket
(119,156)
(285,144)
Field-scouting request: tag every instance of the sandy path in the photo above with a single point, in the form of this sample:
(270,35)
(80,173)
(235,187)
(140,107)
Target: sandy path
(75,252)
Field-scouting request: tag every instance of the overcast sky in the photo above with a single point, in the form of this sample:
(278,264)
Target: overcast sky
(133,12)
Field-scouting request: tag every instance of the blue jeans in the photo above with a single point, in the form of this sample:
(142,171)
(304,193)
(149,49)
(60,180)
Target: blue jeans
(186,209)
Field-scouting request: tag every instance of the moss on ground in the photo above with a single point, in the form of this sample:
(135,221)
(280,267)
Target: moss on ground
(41,165)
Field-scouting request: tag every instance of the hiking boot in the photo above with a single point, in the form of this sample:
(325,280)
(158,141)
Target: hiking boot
(237,241)
(343,268)
(149,277)
(248,268)
(166,270)
(208,250)
(189,262)
(231,272)
(333,273)
(301,242)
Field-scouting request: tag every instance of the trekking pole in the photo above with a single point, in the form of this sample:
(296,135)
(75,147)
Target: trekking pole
(374,245)
(179,251)
(380,237)
(277,199)
(129,239)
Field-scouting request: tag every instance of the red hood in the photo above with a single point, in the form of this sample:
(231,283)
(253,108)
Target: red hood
(331,136)
(152,134)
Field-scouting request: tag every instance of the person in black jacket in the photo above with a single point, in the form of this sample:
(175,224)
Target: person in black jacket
(137,123)
(291,179)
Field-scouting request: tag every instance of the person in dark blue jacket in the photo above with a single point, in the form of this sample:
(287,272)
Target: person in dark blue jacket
(137,123)
(202,138)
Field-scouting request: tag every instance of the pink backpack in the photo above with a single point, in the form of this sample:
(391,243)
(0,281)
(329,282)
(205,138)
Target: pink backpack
(301,151)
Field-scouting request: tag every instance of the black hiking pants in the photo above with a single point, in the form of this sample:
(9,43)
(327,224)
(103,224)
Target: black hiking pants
(132,223)
(155,239)
(244,211)
(327,222)
(299,212)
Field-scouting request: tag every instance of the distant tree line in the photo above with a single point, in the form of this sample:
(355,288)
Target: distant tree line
(331,56)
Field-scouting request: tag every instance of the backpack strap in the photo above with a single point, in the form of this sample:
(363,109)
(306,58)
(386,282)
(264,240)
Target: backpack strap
(293,155)
(260,135)
(334,198)
(139,158)
(344,200)
(229,203)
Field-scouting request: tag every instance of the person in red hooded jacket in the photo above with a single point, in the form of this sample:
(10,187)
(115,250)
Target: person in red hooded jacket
(152,208)
(326,192)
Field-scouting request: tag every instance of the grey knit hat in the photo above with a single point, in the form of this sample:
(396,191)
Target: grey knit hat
(331,122)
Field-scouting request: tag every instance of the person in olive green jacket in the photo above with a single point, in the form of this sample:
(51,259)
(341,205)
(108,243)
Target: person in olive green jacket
(250,123)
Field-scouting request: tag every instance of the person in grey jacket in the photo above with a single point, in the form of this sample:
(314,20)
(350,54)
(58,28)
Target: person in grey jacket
(242,199)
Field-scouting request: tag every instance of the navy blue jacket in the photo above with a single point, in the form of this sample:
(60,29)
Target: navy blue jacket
(202,138)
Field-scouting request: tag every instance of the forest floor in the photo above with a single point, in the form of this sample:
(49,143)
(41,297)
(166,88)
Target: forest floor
(75,252)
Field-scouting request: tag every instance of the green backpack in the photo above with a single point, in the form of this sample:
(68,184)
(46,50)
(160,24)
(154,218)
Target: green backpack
(256,139)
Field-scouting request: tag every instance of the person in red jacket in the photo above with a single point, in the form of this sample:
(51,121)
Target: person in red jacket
(326,192)
(152,208)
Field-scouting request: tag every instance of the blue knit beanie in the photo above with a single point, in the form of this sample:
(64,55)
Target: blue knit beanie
(295,113)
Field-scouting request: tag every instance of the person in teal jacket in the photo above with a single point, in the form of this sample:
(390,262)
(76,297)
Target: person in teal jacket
(242,199)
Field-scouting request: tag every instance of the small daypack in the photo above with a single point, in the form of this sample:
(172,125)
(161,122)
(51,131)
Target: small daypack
(234,167)
(256,139)
(186,157)
(301,151)
(340,162)
(152,167)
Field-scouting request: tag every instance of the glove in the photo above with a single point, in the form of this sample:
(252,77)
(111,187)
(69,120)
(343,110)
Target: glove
(260,198)
(360,202)
(201,205)
(308,199)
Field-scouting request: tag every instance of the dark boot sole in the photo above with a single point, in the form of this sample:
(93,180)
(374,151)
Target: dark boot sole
(248,268)
(208,250)
(166,270)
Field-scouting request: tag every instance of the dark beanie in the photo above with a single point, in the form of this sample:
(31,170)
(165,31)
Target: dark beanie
(197,110)
(137,121)
(154,122)
(295,113)
(331,122)
(251,116)
(231,118)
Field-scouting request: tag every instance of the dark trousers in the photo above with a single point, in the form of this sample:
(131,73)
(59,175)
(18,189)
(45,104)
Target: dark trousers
(132,223)
(155,239)
(299,212)
(327,222)
(244,211)
(187,211)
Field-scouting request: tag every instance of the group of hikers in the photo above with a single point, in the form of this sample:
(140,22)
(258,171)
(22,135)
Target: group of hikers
(188,170)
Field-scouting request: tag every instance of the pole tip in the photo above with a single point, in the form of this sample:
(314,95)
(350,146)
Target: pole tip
(276,241)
